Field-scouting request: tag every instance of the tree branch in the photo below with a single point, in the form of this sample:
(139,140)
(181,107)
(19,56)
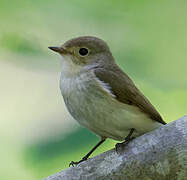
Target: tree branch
(157,155)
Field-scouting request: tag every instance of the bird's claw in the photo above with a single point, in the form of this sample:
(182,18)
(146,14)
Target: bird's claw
(120,146)
(72,163)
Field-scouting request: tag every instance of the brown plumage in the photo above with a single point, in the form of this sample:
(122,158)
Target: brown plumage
(100,96)
(121,85)
(125,90)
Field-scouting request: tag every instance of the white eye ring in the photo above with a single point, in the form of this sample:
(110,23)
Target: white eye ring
(83,51)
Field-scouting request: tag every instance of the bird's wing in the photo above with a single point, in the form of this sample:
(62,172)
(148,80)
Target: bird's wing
(125,91)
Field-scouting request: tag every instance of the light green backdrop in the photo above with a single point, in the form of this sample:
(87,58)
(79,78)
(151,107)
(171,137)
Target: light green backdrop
(147,38)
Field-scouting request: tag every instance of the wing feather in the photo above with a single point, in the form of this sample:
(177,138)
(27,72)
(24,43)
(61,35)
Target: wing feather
(125,90)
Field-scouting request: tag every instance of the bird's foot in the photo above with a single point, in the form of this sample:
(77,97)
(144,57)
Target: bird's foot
(73,163)
(120,146)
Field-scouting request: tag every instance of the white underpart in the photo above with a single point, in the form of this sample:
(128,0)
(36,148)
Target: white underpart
(91,102)
(69,68)
(106,87)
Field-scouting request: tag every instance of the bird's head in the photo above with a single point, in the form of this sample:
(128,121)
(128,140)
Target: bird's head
(85,51)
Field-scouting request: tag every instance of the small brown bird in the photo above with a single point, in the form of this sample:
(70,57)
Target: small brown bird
(100,96)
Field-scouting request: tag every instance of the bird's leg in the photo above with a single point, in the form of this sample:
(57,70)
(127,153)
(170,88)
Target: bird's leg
(72,163)
(119,146)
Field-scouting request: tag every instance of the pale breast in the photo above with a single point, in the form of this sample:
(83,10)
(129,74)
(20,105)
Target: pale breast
(93,105)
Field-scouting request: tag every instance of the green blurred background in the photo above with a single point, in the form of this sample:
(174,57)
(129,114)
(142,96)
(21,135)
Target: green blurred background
(148,39)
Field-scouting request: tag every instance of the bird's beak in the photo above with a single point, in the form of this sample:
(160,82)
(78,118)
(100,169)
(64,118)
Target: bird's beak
(58,49)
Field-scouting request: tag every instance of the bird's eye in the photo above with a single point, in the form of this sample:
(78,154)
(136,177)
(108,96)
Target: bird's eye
(83,51)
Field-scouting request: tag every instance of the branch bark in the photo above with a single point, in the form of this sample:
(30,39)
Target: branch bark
(157,155)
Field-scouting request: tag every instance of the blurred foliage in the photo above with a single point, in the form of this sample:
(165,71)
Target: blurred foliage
(54,155)
(46,150)
(18,44)
(147,38)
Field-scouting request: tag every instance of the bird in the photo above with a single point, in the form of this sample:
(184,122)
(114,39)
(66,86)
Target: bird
(100,95)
